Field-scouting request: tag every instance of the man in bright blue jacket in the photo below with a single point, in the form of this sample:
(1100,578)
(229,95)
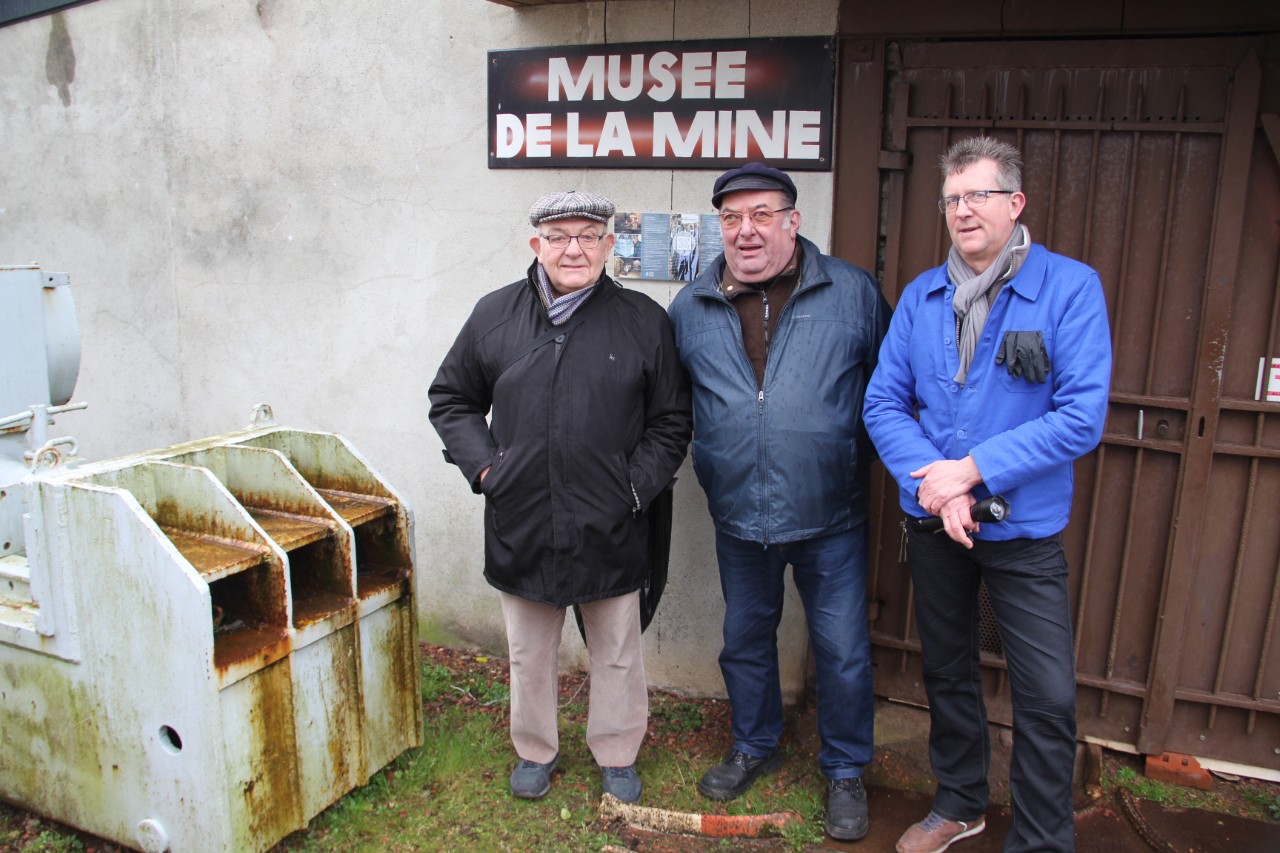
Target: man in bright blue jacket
(779,341)
(993,380)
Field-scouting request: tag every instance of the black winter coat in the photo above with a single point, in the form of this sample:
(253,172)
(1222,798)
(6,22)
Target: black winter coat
(586,430)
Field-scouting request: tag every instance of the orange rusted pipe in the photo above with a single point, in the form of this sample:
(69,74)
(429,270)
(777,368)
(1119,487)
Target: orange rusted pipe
(747,825)
(715,826)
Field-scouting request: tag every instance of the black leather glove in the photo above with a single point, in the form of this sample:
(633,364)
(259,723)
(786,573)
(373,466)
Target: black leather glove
(1023,355)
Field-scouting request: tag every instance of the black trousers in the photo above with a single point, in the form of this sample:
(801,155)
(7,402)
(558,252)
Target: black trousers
(1026,580)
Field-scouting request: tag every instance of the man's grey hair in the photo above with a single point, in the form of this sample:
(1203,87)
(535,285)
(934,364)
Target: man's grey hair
(966,152)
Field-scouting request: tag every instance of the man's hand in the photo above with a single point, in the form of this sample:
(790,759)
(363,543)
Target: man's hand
(484,472)
(945,480)
(957,519)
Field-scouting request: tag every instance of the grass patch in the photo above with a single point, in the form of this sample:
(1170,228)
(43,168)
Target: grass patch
(802,836)
(1164,793)
(484,691)
(670,714)
(436,680)
(1244,797)
(453,793)
(32,835)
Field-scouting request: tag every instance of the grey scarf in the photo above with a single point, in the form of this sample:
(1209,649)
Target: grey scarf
(975,293)
(559,309)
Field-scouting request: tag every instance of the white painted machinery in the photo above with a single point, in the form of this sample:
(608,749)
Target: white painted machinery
(201,647)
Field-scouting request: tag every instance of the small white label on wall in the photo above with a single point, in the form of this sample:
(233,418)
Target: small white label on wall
(1268,378)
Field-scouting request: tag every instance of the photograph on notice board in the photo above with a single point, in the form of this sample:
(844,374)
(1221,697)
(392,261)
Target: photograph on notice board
(664,246)
(627,245)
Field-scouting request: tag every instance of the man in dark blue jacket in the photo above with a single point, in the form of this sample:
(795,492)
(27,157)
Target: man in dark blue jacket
(779,341)
(562,402)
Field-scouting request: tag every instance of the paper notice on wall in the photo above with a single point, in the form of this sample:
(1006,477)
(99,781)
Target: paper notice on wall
(667,246)
(1268,380)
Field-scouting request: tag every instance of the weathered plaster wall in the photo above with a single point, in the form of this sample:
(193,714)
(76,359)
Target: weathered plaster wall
(290,203)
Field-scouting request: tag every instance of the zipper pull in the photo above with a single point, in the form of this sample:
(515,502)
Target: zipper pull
(902,542)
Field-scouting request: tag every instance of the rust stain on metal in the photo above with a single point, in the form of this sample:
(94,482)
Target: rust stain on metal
(357,508)
(290,530)
(397,651)
(346,746)
(382,556)
(372,580)
(214,555)
(241,643)
(314,605)
(272,791)
(170,514)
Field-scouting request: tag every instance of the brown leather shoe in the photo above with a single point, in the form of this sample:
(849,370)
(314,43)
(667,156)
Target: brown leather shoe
(935,834)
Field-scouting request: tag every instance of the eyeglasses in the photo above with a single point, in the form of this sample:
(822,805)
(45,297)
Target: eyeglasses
(975,198)
(759,218)
(561,241)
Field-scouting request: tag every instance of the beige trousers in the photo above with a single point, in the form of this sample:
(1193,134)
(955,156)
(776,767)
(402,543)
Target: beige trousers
(618,704)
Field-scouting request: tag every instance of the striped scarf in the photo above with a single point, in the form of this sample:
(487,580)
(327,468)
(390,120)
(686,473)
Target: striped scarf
(559,309)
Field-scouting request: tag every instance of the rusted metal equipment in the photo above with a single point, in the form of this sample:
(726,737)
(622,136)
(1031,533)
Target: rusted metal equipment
(216,640)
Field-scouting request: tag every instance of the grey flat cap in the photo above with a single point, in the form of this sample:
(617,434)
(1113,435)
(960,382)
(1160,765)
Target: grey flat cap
(571,204)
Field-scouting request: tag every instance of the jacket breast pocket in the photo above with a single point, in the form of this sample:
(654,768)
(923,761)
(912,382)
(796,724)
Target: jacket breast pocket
(1023,363)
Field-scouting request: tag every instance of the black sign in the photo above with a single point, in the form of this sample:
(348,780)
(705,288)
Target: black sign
(668,105)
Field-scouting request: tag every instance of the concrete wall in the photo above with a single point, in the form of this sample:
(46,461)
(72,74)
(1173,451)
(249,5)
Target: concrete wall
(290,203)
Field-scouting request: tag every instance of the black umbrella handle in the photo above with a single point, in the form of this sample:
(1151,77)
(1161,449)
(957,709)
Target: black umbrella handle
(994,508)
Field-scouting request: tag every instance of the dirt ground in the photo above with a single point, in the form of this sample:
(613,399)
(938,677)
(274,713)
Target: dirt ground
(900,783)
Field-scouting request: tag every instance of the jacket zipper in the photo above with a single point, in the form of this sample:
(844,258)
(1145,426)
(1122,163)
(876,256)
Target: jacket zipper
(760,395)
(768,351)
(764,479)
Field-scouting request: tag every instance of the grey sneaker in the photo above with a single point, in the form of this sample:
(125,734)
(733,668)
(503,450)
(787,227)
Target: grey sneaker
(621,782)
(531,780)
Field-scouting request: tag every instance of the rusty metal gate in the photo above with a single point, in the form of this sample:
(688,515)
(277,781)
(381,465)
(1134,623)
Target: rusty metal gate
(1149,161)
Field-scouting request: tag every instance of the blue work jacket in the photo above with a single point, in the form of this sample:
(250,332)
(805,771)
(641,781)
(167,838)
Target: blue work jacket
(789,460)
(1023,435)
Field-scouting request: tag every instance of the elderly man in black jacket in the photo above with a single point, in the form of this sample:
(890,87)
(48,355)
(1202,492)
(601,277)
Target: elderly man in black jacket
(588,419)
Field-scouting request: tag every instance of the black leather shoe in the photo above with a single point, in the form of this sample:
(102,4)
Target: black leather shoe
(847,818)
(733,778)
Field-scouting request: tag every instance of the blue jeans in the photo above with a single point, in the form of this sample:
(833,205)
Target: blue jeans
(830,573)
(1027,582)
